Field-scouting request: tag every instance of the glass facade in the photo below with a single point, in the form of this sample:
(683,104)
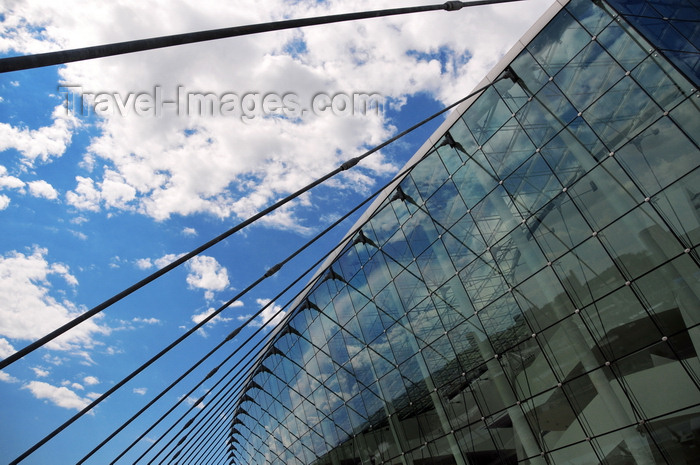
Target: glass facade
(530,291)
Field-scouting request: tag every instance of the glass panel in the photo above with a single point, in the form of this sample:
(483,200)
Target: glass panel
(588,76)
(543,300)
(619,324)
(662,81)
(622,113)
(532,185)
(558,227)
(530,72)
(588,273)
(569,348)
(508,148)
(474,180)
(679,206)
(640,241)
(446,206)
(624,44)
(594,16)
(686,117)
(559,42)
(428,175)
(672,293)
(605,194)
(667,430)
(486,115)
(658,156)
(496,215)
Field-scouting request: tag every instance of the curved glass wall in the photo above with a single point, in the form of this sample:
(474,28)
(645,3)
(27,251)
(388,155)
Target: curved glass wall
(530,293)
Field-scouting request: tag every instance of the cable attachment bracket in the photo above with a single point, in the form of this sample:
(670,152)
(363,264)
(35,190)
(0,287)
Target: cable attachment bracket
(350,163)
(273,270)
(453,6)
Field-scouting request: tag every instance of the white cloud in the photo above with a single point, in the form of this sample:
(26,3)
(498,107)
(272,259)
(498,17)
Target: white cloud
(199,317)
(189,232)
(7,378)
(166,260)
(77,386)
(79,235)
(9,182)
(191,401)
(6,348)
(43,189)
(85,196)
(223,166)
(60,396)
(91,380)
(4,202)
(28,310)
(269,316)
(148,321)
(42,143)
(140,391)
(206,273)
(40,372)
(144,263)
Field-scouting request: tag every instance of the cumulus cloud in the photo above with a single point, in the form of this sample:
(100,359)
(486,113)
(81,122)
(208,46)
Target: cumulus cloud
(6,348)
(140,391)
(4,202)
(147,321)
(91,380)
(59,396)
(269,316)
(230,167)
(9,182)
(189,232)
(191,401)
(43,143)
(7,378)
(206,273)
(43,189)
(28,308)
(199,317)
(40,372)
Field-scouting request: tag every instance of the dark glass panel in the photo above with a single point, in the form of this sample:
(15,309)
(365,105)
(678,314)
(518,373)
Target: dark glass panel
(677,435)
(679,205)
(639,241)
(543,300)
(569,348)
(658,156)
(619,324)
(671,293)
(605,194)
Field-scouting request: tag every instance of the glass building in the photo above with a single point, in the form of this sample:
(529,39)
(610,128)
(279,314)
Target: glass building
(528,291)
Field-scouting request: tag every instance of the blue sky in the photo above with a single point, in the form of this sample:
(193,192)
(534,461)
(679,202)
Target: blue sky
(91,203)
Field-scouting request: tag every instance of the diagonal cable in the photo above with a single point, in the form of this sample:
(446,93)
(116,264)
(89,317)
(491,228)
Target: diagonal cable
(18,63)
